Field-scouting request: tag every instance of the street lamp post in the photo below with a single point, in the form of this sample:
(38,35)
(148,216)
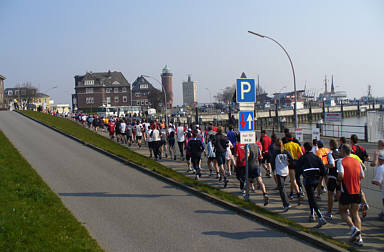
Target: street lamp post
(165,95)
(293,70)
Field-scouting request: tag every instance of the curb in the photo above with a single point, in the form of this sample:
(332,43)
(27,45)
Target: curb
(300,235)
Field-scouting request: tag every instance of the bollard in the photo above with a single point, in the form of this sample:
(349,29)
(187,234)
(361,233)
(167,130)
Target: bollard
(366,132)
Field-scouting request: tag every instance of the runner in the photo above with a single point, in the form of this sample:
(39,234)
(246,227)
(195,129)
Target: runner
(122,129)
(163,141)
(239,153)
(111,129)
(188,153)
(129,132)
(379,180)
(229,160)
(180,131)
(196,147)
(156,141)
(280,160)
(322,153)
(211,157)
(380,149)
(358,149)
(266,141)
(221,142)
(332,183)
(350,174)
(171,141)
(312,168)
(254,169)
(139,133)
(294,149)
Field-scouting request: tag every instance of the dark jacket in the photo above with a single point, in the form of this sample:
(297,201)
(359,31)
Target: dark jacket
(311,167)
(220,142)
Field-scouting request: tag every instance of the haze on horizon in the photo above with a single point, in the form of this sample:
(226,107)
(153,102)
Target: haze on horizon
(49,42)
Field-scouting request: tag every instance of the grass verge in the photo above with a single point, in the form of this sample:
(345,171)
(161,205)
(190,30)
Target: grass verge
(32,217)
(90,137)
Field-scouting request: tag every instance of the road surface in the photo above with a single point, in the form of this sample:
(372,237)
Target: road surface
(126,210)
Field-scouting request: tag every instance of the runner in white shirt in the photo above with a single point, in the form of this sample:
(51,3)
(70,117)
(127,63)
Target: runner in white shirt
(156,142)
(139,133)
(123,126)
(379,179)
(150,142)
(180,133)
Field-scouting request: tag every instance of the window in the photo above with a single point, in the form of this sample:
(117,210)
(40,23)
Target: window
(137,94)
(142,102)
(89,90)
(138,102)
(108,90)
(125,99)
(115,83)
(116,90)
(23,92)
(144,93)
(146,102)
(124,89)
(16,92)
(116,99)
(108,100)
(89,82)
(143,86)
(10,92)
(89,100)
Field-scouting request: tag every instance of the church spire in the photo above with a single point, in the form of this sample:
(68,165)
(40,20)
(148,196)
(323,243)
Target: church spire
(332,87)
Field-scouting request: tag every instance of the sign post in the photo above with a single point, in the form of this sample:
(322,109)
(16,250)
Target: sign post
(299,135)
(316,134)
(246,97)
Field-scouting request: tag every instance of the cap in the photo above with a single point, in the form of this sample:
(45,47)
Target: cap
(381,155)
(320,144)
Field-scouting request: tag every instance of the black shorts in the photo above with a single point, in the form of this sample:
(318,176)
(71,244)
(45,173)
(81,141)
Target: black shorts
(265,159)
(163,142)
(293,166)
(171,142)
(211,159)
(332,185)
(138,137)
(188,157)
(347,199)
(254,173)
(151,145)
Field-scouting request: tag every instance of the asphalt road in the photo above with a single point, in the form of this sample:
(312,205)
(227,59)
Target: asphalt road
(126,210)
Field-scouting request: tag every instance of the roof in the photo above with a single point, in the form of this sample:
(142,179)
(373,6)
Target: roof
(41,95)
(139,81)
(2,77)
(104,78)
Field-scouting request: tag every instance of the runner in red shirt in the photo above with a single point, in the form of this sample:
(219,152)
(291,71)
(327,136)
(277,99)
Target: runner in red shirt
(266,141)
(239,153)
(350,174)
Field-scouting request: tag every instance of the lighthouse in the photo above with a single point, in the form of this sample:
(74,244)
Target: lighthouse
(166,81)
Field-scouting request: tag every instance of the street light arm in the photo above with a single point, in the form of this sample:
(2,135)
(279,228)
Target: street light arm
(293,69)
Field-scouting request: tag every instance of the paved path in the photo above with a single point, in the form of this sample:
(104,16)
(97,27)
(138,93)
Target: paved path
(373,229)
(126,210)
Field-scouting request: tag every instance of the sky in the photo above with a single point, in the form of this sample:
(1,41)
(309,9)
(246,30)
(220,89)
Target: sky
(47,43)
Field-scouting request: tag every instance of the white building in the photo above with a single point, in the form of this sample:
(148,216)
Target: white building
(189,92)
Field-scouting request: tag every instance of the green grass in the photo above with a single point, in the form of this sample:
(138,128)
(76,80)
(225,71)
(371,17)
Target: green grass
(90,137)
(32,217)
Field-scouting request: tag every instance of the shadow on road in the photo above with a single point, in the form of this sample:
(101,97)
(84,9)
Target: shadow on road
(116,195)
(260,233)
(214,212)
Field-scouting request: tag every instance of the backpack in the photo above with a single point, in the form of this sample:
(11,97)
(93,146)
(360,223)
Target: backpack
(361,153)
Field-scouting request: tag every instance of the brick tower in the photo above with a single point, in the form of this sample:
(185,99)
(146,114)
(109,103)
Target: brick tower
(166,81)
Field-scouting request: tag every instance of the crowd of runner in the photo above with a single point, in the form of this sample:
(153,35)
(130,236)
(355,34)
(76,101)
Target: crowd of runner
(313,169)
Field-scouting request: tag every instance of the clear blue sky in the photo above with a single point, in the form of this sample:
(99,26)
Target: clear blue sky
(48,42)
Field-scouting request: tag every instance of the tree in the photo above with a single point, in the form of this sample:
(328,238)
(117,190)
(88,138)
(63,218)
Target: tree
(156,99)
(226,96)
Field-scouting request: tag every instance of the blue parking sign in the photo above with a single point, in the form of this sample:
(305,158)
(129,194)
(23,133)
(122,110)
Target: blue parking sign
(245,90)
(246,121)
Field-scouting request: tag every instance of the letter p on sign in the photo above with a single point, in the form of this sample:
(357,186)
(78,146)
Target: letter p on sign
(245,90)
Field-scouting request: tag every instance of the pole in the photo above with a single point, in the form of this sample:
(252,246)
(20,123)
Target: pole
(293,71)
(246,182)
